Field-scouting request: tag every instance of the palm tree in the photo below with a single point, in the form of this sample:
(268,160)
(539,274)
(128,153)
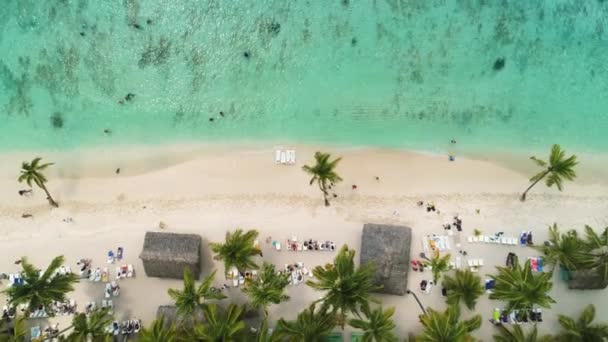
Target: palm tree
(559,168)
(582,330)
(521,288)
(323,172)
(347,287)
(32,172)
(268,288)
(93,328)
(16,333)
(465,286)
(446,327)
(517,334)
(378,327)
(263,335)
(311,325)
(191,297)
(595,255)
(41,289)
(563,249)
(158,332)
(237,250)
(220,325)
(438,264)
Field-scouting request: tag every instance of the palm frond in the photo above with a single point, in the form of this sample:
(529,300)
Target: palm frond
(465,286)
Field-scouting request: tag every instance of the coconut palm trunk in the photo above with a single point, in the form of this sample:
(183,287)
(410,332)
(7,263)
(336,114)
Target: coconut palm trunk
(523,196)
(48,196)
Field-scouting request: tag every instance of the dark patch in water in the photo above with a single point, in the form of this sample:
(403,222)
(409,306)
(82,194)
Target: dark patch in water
(156,54)
(57,120)
(353,41)
(499,64)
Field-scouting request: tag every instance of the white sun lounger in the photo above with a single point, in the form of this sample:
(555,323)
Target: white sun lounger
(458,263)
(470,239)
(283,157)
(277,157)
(291,157)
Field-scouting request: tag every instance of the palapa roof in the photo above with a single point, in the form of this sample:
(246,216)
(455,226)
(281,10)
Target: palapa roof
(179,248)
(387,248)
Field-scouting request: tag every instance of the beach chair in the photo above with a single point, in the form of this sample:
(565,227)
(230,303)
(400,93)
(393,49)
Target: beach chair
(356,337)
(105,275)
(111,257)
(291,157)
(470,239)
(283,158)
(130,271)
(110,307)
(108,291)
(119,253)
(277,157)
(480,262)
(458,263)
(486,239)
(334,337)
(277,245)
(35,333)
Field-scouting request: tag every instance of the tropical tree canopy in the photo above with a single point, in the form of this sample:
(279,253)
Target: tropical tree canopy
(438,265)
(16,333)
(157,332)
(94,327)
(562,249)
(191,297)
(446,326)
(32,173)
(521,288)
(517,334)
(237,250)
(220,325)
(268,288)
(347,288)
(311,325)
(378,326)
(581,330)
(41,288)
(558,169)
(465,286)
(323,172)
(595,255)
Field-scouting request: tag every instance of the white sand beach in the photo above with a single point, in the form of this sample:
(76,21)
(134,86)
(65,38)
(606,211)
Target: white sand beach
(209,190)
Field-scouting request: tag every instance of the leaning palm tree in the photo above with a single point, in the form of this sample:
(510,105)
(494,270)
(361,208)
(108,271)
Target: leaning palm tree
(347,288)
(558,169)
(465,286)
(595,254)
(311,325)
(41,289)
(521,288)
(220,325)
(32,172)
(517,334)
(16,333)
(446,326)
(159,332)
(581,330)
(93,327)
(438,264)
(268,288)
(323,172)
(191,297)
(378,327)
(237,251)
(562,249)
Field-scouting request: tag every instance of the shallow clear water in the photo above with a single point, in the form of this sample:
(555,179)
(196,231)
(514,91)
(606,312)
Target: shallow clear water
(403,73)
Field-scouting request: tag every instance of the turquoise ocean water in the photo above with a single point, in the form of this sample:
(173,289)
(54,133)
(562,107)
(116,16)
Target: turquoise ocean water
(399,73)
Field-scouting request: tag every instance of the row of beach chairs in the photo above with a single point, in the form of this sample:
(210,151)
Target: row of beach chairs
(474,264)
(285,157)
(502,240)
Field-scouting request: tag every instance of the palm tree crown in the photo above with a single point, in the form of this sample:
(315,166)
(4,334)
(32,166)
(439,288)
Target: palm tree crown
(220,325)
(32,173)
(311,325)
(465,286)
(558,169)
(237,251)
(582,330)
(191,297)
(268,288)
(41,289)
(347,287)
(158,332)
(446,326)
(93,327)
(323,172)
(562,249)
(517,334)
(378,327)
(438,265)
(16,333)
(595,252)
(521,288)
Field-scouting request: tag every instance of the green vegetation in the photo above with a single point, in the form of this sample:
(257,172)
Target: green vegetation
(238,250)
(378,325)
(521,288)
(191,297)
(32,173)
(558,169)
(438,264)
(446,326)
(465,286)
(268,288)
(323,172)
(581,330)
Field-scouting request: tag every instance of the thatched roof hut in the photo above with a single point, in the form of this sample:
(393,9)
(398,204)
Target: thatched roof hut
(586,280)
(166,254)
(387,248)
